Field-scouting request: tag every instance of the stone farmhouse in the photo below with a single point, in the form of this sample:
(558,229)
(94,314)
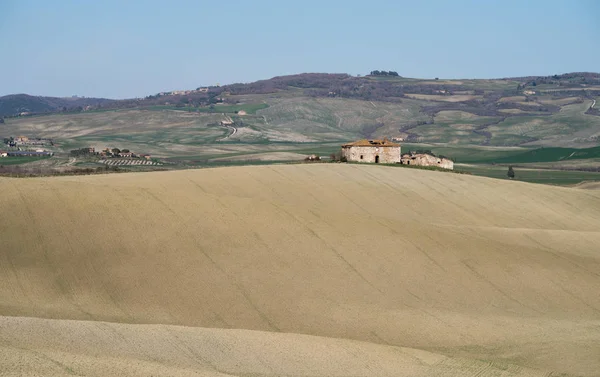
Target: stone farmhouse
(373,151)
(425,159)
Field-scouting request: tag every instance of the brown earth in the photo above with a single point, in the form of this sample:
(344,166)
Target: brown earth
(464,267)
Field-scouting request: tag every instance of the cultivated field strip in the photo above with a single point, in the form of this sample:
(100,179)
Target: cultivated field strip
(128,162)
(63,347)
(477,268)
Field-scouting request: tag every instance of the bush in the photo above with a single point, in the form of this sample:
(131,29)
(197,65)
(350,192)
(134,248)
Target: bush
(511,172)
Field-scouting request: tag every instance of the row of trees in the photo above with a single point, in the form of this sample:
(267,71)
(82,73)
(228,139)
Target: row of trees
(384,73)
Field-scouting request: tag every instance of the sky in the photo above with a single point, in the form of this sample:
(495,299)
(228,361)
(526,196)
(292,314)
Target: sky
(126,49)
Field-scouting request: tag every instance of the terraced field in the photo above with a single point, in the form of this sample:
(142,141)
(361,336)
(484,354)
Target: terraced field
(314,270)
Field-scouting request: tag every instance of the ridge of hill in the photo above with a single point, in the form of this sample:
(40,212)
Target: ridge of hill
(466,267)
(15,104)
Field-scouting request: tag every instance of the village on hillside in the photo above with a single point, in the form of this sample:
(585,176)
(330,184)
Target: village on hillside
(115,156)
(23,146)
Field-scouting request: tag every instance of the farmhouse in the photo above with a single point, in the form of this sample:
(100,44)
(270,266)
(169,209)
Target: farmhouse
(374,151)
(3,154)
(426,159)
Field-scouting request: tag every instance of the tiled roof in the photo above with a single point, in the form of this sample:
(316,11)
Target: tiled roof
(371,143)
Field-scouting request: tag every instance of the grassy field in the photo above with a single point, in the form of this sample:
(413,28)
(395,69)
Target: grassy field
(489,277)
(546,176)
(229,109)
(570,127)
(20,160)
(551,155)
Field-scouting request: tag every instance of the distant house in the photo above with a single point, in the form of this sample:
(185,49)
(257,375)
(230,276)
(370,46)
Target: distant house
(374,151)
(242,112)
(426,159)
(3,154)
(146,156)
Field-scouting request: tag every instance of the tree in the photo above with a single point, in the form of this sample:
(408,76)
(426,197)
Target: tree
(510,173)
(125,151)
(115,150)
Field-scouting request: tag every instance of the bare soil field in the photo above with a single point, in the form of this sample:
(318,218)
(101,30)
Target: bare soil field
(452,98)
(66,348)
(472,276)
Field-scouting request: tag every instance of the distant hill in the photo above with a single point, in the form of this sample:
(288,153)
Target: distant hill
(16,104)
(557,110)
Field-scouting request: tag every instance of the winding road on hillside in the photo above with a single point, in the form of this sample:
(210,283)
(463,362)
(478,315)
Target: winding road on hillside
(231,128)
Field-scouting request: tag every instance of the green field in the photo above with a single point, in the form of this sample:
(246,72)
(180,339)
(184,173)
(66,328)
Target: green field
(550,155)
(226,109)
(5,161)
(553,177)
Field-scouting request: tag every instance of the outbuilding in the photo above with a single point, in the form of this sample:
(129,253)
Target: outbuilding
(426,159)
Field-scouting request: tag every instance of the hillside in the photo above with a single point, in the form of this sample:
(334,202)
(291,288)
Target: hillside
(64,348)
(473,269)
(16,104)
(314,107)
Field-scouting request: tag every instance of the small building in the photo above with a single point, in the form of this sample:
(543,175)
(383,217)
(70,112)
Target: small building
(3,154)
(373,151)
(146,156)
(242,112)
(426,159)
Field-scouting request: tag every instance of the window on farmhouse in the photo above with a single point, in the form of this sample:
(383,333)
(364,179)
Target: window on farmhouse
(361,156)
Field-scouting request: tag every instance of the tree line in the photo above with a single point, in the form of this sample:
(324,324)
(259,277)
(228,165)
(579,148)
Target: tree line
(384,73)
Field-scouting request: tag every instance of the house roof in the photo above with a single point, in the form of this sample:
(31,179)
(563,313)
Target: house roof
(372,143)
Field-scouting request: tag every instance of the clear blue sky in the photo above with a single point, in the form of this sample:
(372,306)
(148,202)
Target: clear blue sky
(121,49)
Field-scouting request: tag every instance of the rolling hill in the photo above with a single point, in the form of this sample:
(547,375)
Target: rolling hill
(316,107)
(14,104)
(351,269)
